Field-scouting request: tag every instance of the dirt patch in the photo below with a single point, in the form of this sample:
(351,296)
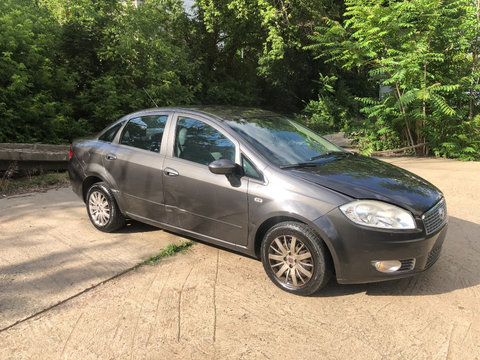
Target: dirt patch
(29,183)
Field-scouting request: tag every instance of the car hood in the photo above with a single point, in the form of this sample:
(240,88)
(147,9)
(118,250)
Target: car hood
(362,177)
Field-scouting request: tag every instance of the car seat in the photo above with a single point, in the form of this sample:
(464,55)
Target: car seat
(188,148)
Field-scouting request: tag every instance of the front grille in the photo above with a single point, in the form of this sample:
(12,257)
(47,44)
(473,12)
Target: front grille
(435,217)
(433,256)
(407,265)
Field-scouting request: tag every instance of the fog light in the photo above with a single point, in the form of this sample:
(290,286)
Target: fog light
(387,266)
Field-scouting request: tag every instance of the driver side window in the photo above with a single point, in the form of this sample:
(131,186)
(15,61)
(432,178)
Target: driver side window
(199,142)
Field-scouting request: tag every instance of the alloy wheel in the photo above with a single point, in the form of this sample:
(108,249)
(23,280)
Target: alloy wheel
(99,208)
(290,260)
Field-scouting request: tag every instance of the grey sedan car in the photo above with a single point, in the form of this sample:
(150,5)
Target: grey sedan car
(261,184)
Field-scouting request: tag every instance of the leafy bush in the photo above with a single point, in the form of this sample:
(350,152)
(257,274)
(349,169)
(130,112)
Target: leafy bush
(423,53)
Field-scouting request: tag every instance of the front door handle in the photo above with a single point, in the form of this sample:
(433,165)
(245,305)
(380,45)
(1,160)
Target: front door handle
(111,157)
(170,172)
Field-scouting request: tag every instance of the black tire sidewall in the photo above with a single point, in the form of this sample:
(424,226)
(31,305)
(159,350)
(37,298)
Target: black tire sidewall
(322,268)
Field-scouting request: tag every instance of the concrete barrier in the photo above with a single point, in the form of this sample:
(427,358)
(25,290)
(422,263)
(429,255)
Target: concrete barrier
(33,156)
(340,139)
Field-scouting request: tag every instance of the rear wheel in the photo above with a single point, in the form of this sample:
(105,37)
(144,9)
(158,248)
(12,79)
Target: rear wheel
(102,208)
(295,258)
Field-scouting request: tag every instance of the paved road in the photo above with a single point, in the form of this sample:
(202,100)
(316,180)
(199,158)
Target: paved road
(49,251)
(211,303)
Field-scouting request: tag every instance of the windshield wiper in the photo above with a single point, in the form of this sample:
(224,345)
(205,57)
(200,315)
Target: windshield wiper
(327,154)
(312,164)
(298,165)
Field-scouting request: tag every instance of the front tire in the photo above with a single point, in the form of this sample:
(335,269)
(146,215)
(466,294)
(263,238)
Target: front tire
(102,208)
(295,258)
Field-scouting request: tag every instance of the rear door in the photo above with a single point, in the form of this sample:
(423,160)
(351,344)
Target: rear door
(197,200)
(135,165)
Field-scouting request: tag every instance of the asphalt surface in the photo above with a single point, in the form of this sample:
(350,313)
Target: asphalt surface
(61,296)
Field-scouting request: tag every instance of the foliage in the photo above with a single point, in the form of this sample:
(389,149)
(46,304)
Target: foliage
(254,49)
(33,76)
(70,68)
(170,250)
(393,73)
(417,51)
(335,108)
(126,56)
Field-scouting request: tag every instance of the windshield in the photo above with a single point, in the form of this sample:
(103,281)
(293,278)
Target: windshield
(283,141)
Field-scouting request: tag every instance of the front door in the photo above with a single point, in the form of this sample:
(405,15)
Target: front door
(196,199)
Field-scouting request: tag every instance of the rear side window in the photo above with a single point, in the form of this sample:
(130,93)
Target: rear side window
(144,132)
(109,135)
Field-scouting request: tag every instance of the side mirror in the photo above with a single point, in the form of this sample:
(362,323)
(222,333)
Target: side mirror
(222,167)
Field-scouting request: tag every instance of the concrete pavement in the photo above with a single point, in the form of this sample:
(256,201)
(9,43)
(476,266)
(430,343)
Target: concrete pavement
(211,303)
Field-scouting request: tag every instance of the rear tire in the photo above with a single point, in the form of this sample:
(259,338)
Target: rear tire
(295,258)
(102,208)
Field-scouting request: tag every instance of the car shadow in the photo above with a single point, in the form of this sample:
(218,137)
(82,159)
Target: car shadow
(133,226)
(457,268)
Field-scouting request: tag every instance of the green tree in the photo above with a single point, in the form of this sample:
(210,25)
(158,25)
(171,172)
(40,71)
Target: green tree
(258,45)
(147,59)
(408,48)
(34,77)
(125,58)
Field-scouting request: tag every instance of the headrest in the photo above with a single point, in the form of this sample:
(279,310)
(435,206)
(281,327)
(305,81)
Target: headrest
(182,136)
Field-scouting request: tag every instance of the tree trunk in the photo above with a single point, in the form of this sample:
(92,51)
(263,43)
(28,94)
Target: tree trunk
(404,113)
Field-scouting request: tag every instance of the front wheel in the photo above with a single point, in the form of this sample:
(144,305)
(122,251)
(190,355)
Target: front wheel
(295,258)
(102,208)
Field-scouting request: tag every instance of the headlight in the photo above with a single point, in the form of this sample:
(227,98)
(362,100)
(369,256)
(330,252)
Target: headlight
(378,214)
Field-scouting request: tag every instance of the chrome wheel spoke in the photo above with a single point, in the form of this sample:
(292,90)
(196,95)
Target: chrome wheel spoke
(280,248)
(276,257)
(292,245)
(304,271)
(293,275)
(305,264)
(301,247)
(304,256)
(300,277)
(290,260)
(282,270)
(99,208)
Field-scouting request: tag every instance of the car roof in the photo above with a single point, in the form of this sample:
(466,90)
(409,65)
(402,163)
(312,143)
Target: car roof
(218,112)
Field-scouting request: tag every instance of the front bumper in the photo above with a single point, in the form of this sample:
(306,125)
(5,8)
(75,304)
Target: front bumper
(355,247)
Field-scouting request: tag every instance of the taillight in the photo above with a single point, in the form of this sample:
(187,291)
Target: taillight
(70,154)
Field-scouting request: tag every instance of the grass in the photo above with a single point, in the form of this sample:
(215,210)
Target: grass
(32,182)
(170,250)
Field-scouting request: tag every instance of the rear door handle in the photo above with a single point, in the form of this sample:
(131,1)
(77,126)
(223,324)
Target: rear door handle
(170,172)
(111,157)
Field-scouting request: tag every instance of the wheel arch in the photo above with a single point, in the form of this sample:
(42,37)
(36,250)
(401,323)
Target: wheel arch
(272,221)
(87,183)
